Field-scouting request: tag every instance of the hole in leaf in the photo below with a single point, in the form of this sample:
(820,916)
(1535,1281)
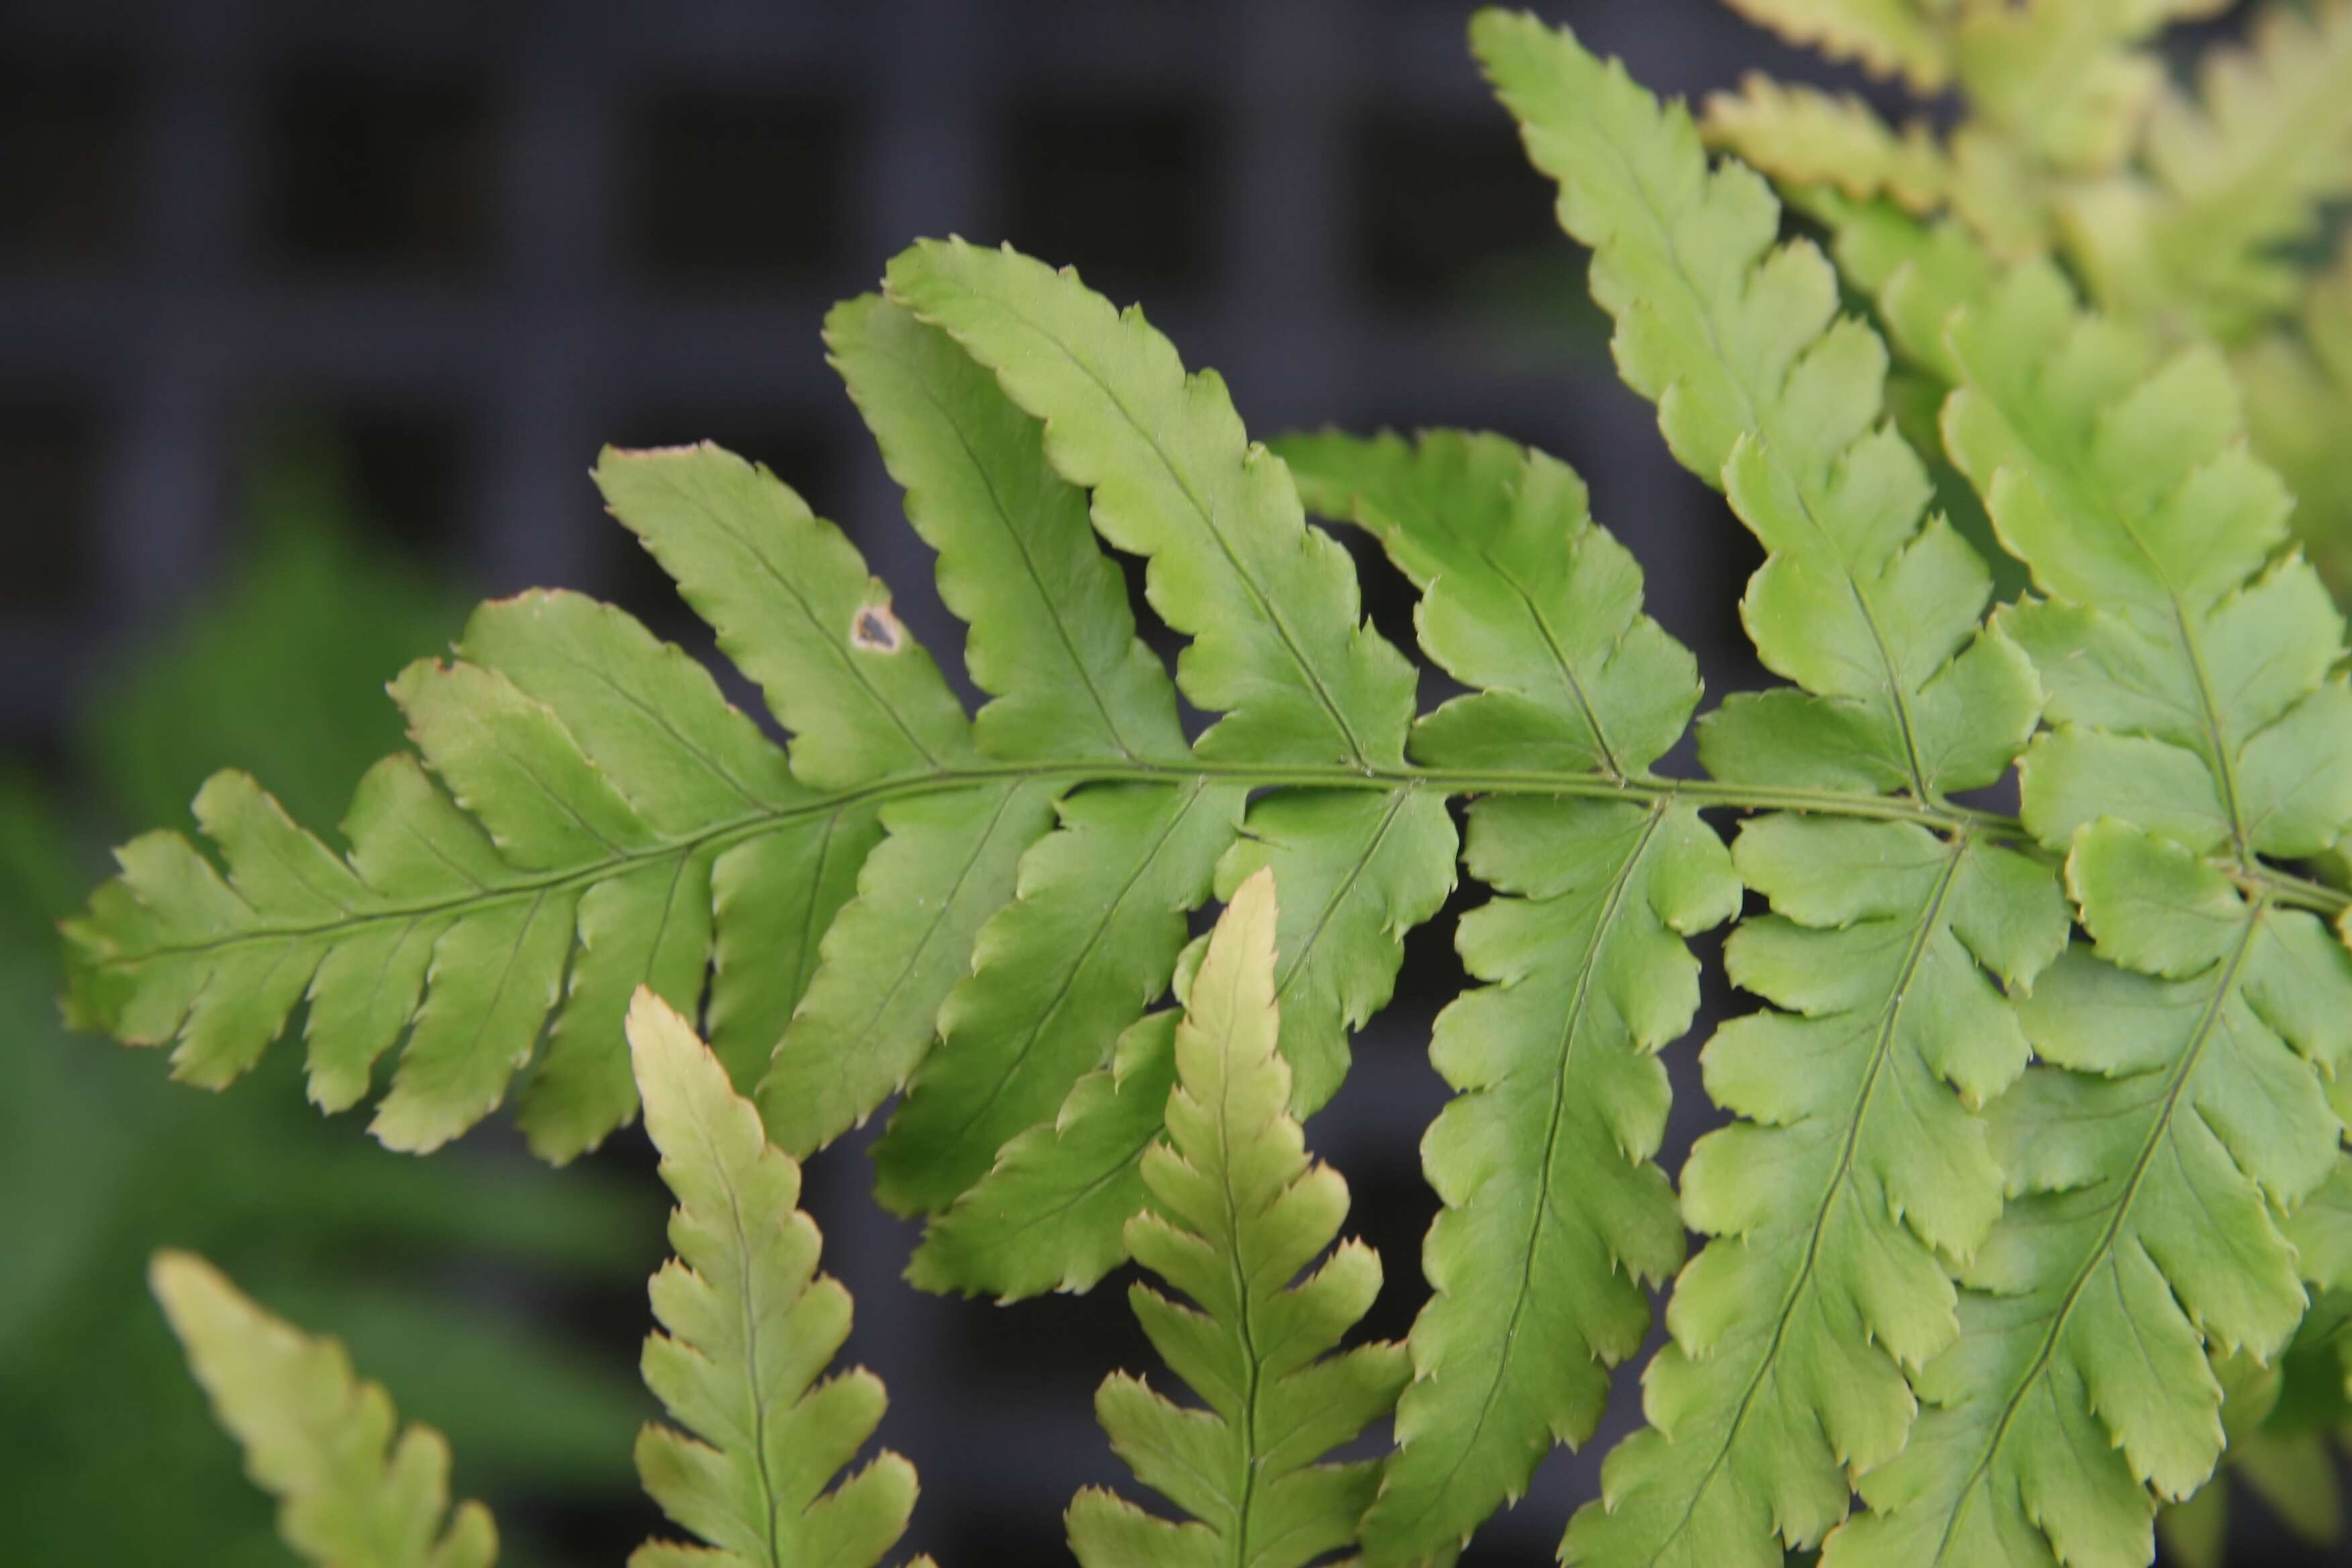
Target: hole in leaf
(878,630)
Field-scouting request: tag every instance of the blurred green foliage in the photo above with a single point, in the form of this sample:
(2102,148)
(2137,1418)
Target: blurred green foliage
(434,1272)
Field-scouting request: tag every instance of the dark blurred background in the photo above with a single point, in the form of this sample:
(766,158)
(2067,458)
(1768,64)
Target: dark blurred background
(312,320)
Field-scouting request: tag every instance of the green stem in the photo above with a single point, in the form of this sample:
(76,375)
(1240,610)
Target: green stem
(1937,815)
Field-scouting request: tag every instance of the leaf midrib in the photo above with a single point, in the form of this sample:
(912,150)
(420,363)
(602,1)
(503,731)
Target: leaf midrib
(1572,1027)
(1883,1047)
(1701,793)
(2159,1129)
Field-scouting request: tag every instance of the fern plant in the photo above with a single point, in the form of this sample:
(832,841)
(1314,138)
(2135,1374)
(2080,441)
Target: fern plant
(2034,1144)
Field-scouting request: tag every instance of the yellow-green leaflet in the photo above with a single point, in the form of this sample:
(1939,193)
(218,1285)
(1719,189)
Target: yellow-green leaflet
(748,1329)
(353,1490)
(1235,1211)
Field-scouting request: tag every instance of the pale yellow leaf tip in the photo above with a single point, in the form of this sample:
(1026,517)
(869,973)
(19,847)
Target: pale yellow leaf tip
(660,1039)
(1241,947)
(187,1285)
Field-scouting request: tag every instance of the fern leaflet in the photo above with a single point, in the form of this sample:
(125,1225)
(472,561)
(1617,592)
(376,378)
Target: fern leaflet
(1805,137)
(2298,383)
(2291,1471)
(1236,1210)
(2234,178)
(1554,1215)
(350,1494)
(1884,36)
(2178,1116)
(1793,1330)
(750,1327)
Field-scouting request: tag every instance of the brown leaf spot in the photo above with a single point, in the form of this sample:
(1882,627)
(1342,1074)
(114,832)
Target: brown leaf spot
(877,630)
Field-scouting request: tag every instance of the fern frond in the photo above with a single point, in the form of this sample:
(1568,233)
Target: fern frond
(2321,1228)
(2298,384)
(1236,1210)
(2179,1115)
(2148,1159)
(1763,391)
(1802,136)
(1884,36)
(350,1494)
(2233,178)
(1555,1215)
(1790,1351)
(1916,272)
(451,918)
(2188,670)
(2060,81)
(750,1327)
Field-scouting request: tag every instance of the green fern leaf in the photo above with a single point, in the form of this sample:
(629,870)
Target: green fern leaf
(2176,1111)
(2180,1115)
(1764,391)
(1048,613)
(2321,1228)
(320,1441)
(589,807)
(2235,178)
(1523,599)
(2058,80)
(1051,1214)
(1554,1215)
(1802,136)
(2058,98)
(1236,1210)
(1091,939)
(750,1328)
(1916,272)
(2298,384)
(1279,646)
(1884,36)
(2293,1473)
(2188,672)
(1098,910)
(1794,1329)
(454,914)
